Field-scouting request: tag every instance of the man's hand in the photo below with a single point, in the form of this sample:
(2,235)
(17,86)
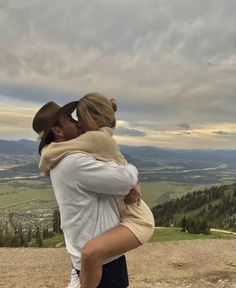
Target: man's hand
(134,196)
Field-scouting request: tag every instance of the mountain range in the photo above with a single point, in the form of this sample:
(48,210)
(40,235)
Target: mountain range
(143,153)
(154,164)
(20,147)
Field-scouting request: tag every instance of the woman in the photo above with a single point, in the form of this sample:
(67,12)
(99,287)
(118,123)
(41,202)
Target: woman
(96,117)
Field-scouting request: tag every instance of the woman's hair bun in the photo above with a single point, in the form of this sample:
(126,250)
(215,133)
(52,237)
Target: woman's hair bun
(113,104)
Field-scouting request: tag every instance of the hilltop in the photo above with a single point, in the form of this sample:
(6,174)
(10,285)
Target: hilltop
(195,264)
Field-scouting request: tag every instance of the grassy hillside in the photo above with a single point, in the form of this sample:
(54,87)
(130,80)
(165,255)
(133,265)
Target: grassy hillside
(216,205)
(158,192)
(175,234)
(161,234)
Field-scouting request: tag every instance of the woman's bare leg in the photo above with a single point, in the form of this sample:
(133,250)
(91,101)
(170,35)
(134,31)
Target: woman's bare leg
(113,242)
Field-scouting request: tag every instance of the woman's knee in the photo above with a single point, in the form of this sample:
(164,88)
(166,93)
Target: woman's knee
(91,252)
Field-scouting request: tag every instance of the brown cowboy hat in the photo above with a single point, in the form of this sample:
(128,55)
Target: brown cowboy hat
(47,117)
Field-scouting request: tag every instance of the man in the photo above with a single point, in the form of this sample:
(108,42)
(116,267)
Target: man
(84,189)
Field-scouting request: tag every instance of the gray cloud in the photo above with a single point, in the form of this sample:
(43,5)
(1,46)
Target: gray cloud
(37,94)
(129,132)
(164,61)
(183,125)
(185,133)
(224,133)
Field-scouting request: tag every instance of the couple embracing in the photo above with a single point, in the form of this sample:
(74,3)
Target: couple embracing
(97,191)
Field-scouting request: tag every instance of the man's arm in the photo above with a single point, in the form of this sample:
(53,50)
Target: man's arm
(105,177)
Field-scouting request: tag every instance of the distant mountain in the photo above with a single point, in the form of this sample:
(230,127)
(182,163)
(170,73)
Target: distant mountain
(137,153)
(154,164)
(154,154)
(20,147)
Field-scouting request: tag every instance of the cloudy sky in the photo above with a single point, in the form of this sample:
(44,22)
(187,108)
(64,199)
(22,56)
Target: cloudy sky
(171,66)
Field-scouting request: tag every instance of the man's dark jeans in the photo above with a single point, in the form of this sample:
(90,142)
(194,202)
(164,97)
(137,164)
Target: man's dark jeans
(114,274)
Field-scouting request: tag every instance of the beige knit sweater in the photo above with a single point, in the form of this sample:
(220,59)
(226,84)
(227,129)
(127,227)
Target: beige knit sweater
(101,145)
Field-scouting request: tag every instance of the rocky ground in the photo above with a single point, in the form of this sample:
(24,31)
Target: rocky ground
(199,263)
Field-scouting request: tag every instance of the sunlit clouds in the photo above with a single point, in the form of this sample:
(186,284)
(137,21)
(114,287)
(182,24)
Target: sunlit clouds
(202,137)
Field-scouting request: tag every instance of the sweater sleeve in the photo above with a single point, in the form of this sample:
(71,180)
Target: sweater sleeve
(99,144)
(52,154)
(105,177)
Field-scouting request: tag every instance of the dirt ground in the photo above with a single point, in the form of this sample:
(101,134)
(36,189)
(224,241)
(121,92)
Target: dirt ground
(199,263)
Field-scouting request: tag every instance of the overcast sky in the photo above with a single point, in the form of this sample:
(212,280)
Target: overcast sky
(171,66)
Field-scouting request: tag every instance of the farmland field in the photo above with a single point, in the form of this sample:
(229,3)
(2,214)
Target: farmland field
(160,191)
(23,194)
(32,200)
(17,193)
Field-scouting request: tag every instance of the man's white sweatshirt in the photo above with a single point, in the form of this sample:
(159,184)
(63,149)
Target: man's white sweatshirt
(85,189)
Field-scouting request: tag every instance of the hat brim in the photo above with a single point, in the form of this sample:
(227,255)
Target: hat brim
(68,108)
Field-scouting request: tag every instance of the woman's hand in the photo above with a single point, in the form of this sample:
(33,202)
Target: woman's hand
(134,196)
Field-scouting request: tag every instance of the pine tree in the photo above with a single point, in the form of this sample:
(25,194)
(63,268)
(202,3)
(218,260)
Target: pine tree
(38,238)
(184,224)
(46,233)
(56,221)
(29,234)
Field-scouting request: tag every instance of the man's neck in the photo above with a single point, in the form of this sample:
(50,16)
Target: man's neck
(59,139)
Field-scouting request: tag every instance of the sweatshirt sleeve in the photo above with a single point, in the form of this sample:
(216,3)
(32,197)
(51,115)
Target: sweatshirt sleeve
(105,177)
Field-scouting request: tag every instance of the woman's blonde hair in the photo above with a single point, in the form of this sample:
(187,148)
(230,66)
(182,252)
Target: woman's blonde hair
(95,111)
